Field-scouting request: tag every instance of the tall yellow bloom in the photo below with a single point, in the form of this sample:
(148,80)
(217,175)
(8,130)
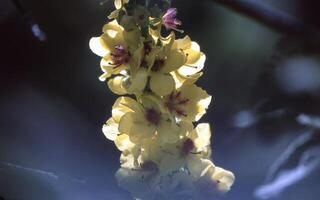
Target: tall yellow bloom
(164,154)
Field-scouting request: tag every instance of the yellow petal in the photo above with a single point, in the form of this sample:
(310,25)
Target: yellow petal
(123,143)
(124,105)
(201,136)
(114,14)
(111,41)
(112,35)
(224,179)
(117,85)
(162,84)
(112,27)
(126,123)
(193,54)
(108,68)
(98,47)
(110,129)
(136,127)
(193,78)
(104,77)
(186,127)
(184,43)
(139,81)
(118,3)
(192,68)
(167,132)
(174,61)
(185,80)
(152,101)
(199,101)
(127,161)
(168,42)
(198,166)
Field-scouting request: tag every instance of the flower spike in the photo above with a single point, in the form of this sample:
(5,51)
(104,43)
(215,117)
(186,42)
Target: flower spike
(164,153)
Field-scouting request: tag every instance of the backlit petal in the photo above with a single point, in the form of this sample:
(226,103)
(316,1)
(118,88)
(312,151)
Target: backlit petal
(98,47)
(174,61)
(110,129)
(124,105)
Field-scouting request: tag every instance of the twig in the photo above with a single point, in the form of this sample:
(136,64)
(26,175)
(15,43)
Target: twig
(269,16)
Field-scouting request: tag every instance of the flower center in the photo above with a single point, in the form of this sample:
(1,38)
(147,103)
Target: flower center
(119,56)
(187,146)
(158,64)
(174,103)
(153,116)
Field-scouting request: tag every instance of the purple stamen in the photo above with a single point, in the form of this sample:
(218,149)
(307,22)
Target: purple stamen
(119,56)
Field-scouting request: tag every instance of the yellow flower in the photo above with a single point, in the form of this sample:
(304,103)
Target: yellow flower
(191,70)
(161,81)
(118,49)
(162,153)
(189,152)
(130,151)
(214,180)
(161,62)
(147,120)
(188,102)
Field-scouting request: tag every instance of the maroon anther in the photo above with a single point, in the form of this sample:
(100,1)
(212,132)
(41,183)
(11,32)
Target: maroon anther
(187,146)
(153,116)
(120,56)
(174,103)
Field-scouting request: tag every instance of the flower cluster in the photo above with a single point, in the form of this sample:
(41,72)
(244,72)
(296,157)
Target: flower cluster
(164,155)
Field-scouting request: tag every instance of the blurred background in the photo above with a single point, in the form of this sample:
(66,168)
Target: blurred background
(265,111)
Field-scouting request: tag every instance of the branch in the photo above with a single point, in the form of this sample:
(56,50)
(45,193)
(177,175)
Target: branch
(267,15)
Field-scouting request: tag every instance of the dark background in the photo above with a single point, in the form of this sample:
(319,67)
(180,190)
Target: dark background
(52,105)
